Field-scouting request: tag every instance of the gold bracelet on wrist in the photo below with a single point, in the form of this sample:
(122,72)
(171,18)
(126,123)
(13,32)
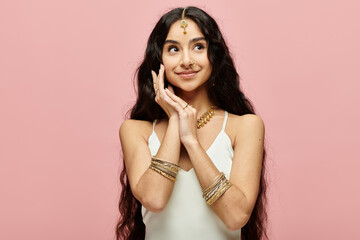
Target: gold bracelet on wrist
(165,162)
(215,190)
(171,168)
(163,173)
(219,193)
(215,182)
(165,168)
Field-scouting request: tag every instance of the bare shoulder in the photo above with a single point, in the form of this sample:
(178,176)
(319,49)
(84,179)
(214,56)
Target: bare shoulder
(132,127)
(244,121)
(246,125)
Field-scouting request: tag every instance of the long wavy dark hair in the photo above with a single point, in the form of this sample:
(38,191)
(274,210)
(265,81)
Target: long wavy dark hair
(226,95)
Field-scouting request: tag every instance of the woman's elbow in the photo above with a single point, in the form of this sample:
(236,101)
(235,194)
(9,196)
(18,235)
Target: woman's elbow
(237,222)
(150,201)
(154,205)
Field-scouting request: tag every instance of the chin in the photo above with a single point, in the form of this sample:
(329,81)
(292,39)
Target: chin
(188,88)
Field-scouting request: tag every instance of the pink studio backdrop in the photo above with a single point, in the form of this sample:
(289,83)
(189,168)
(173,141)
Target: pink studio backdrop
(66,71)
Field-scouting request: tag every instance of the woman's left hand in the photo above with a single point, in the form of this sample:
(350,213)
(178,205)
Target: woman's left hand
(187,118)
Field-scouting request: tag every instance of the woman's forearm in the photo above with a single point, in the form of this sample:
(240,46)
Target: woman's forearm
(232,208)
(154,188)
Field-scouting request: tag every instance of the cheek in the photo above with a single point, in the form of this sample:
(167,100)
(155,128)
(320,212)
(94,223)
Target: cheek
(169,76)
(203,60)
(169,63)
(206,64)
(166,64)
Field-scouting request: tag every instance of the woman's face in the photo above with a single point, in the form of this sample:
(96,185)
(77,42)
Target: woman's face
(180,51)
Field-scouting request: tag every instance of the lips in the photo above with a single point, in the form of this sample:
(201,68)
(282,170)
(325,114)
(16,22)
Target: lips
(187,74)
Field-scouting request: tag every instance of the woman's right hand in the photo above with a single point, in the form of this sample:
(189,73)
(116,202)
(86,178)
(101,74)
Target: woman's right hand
(160,95)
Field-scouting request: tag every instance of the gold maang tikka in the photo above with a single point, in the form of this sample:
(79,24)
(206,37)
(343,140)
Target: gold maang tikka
(183,22)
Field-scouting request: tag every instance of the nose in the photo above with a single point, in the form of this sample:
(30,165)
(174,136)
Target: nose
(185,60)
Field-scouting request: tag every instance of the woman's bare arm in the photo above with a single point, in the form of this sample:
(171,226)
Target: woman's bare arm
(235,206)
(149,187)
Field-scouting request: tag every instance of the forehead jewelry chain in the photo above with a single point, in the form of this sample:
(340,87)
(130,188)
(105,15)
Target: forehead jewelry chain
(183,22)
(205,118)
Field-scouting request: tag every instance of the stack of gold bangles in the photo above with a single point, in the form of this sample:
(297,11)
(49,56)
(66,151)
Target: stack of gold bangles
(216,189)
(165,168)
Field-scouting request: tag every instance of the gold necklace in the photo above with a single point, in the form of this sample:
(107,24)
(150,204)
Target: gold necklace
(205,117)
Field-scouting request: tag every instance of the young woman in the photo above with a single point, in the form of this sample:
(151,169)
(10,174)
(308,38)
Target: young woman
(194,157)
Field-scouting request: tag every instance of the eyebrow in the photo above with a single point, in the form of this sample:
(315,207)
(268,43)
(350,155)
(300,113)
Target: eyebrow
(191,41)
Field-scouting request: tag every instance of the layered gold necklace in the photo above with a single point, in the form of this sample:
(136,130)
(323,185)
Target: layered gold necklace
(205,118)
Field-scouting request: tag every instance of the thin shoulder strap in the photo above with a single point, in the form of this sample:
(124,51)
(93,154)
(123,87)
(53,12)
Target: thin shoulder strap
(225,120)
(154,122)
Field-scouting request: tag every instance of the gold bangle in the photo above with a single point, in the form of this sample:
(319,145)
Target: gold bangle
(214,183)
(216,188)
(171,168)
(167,171)
(219,193)
(163,173)
(165,168)
(165,162)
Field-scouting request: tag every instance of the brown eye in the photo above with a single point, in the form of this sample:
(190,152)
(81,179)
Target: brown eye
(172,49)
(199,46)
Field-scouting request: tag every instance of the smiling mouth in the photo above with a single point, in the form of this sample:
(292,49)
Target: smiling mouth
(187,74)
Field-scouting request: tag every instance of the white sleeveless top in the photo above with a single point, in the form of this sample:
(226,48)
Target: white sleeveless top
(186,215)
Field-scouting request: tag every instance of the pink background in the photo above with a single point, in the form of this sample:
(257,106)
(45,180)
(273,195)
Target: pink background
(65,84)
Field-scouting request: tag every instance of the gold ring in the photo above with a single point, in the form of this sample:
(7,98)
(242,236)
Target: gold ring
(185,106)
